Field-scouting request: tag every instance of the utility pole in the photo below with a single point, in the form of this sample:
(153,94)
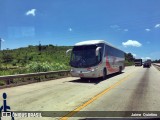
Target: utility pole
(39,46)
(1,40)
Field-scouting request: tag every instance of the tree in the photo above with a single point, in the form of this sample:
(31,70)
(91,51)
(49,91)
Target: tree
(39,47)
(129,57)
(7,58)
(156,61)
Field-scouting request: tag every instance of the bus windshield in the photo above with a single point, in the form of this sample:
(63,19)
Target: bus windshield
(84,56)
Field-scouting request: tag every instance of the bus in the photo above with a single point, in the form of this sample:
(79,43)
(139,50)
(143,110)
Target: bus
(95,58)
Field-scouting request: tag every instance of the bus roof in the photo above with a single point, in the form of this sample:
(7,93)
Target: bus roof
(89,42)
(138,59)
(93,42)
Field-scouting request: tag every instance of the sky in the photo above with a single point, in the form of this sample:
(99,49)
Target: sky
(131,25)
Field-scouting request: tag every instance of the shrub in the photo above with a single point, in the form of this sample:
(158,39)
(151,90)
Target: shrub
(2,83)
(129,63)
(38,67)
(44,67)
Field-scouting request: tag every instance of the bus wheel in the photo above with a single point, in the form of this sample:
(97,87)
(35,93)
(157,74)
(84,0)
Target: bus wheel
(120,70)
(104,74)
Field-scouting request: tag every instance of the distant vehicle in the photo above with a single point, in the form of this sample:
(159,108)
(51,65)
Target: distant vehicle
(95,58)
(149,62)
(146,64)
(138,62)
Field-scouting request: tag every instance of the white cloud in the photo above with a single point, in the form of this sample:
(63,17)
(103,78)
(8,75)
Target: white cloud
(115,26)
(125,30)
(2,39)
(147,30)
(118,28)
(133,43)
(157,26)
(145,58)
(134,55)
(31,12)
(148,58)
(70,29)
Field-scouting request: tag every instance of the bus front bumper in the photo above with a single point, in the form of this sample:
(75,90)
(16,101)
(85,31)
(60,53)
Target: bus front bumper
(89,74)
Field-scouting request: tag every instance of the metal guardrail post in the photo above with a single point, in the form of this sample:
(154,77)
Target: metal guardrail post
(8,81)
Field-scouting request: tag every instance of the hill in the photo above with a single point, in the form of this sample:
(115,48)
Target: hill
(33,59)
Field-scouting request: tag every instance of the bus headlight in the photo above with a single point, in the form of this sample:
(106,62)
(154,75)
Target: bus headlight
(94,69)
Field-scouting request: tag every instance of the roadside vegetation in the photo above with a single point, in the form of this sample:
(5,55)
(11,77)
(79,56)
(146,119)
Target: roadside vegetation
(34,59)
(156,61)
(129,59)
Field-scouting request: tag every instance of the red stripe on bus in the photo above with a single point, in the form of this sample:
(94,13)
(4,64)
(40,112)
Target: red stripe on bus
(109,68)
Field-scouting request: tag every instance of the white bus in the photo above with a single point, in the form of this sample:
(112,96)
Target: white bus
(95,58)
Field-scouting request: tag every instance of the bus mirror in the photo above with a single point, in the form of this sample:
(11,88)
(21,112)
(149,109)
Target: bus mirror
(68,51)
(97,50)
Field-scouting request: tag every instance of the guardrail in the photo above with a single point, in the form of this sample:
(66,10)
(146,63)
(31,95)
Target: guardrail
(156,65)
(21,79)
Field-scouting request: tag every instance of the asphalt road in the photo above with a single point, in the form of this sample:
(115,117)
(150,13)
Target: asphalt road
(136,89)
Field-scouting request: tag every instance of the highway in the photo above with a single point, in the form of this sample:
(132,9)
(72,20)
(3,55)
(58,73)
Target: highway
(136,89)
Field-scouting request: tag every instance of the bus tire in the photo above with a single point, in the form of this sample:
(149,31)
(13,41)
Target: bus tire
(104,74)
(120,70)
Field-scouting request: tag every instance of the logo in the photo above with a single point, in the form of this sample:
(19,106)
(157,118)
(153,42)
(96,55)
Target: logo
(4,109)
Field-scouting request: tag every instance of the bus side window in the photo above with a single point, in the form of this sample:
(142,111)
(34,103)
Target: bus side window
(99,56)
(106,51)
